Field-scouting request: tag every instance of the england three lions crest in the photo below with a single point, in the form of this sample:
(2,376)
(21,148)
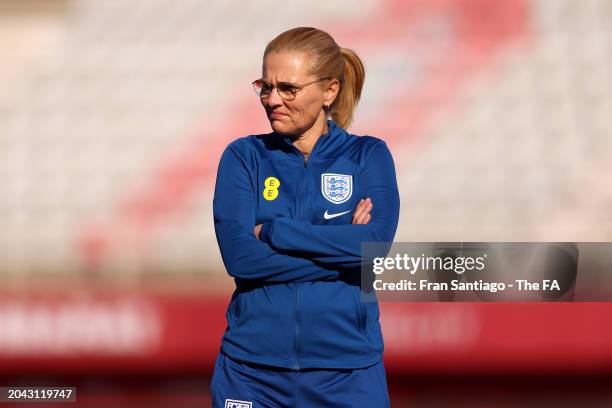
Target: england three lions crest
(336,188)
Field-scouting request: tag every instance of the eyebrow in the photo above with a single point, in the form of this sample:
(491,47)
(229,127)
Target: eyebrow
(281,83)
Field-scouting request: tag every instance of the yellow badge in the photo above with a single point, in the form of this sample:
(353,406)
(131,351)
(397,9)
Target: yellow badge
(271,191)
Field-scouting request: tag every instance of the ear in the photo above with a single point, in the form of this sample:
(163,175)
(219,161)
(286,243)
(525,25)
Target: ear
(331,92)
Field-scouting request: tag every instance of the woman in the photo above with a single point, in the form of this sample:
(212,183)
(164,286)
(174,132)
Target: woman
(291,209)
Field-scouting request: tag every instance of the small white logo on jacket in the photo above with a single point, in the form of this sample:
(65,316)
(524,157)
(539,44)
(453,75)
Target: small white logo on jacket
(330,216)
(230,403)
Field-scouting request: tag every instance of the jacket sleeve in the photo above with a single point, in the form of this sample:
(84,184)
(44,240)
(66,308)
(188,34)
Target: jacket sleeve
(340,245)
(244,256)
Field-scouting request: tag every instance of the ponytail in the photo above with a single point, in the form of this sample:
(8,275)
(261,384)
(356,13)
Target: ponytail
(345,103)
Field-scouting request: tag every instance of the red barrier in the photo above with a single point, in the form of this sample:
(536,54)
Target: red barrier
(133,332)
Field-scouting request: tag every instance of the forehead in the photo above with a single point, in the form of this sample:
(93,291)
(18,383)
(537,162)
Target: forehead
(286,66)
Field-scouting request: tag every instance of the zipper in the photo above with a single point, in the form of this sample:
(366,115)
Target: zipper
(304,189)
(297,328)
(301,212)
(302,216)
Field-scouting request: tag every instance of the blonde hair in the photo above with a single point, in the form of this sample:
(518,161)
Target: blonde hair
(330,61)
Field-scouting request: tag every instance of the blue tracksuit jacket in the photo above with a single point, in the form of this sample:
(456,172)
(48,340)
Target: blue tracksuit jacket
(297,300)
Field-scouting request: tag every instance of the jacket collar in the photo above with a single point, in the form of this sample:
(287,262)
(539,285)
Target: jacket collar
(333,135)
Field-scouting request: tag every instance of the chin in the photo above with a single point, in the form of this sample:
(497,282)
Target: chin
(281,128)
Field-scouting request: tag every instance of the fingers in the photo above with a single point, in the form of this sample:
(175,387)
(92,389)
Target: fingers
(362,212)
(358,210)
(366,207)
(364,219)
(362,207)
(257,230)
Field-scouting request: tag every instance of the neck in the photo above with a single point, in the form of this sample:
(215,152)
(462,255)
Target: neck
(305,142)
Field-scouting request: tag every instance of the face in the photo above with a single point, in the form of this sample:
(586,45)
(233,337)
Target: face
(296,116)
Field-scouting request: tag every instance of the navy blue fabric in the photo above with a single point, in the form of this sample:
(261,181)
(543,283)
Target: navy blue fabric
(271,387)
(297,300)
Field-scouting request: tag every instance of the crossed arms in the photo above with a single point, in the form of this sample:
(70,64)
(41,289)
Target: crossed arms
(288,250)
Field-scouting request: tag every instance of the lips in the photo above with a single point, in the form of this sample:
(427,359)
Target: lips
(277,114)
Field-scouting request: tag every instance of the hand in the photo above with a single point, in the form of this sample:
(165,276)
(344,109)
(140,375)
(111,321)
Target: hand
(257,230)
(362,212)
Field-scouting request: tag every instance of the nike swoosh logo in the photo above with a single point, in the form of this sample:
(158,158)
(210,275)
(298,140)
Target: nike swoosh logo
(330,216)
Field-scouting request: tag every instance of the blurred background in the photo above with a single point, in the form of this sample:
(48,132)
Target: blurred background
(113,115)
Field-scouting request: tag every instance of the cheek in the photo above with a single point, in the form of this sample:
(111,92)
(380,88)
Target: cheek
(307,112)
